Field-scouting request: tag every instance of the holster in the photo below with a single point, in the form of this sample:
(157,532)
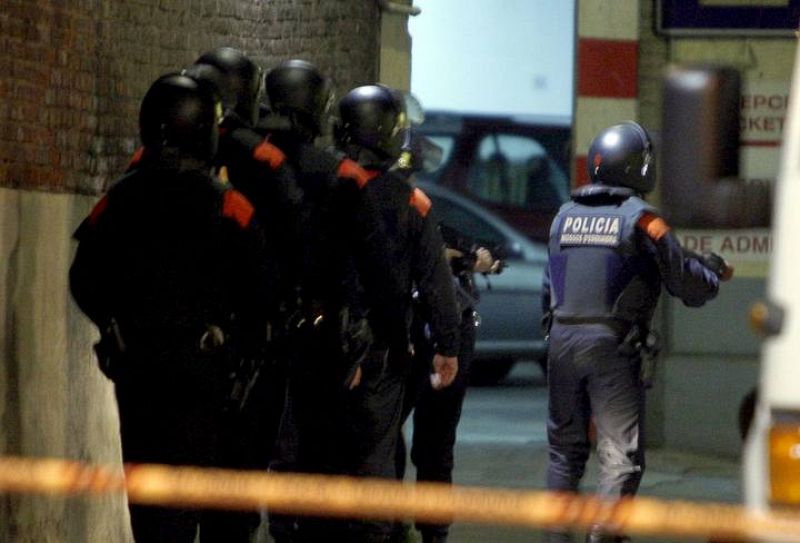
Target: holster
(111,351)
(243,379)
(641,340)
(250,361)
(356,337)
(645,343)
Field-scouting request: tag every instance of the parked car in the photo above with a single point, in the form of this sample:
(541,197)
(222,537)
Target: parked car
(516,167)
(509,307)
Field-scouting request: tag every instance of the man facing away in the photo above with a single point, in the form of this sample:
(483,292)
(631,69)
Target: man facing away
(610,252)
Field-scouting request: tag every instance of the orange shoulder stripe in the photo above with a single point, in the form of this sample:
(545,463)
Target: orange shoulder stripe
(655,227)
(98,210)
(350,169)
(266,152)
(235,206)
(420,201)
(137,157)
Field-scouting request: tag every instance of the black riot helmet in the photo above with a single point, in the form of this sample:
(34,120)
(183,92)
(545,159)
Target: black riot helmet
(242,84)
(297,90)
(622,155)
(210,77)
(373,118)
(178,116)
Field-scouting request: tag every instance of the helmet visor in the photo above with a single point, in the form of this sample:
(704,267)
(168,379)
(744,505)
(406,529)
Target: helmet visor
(414,112)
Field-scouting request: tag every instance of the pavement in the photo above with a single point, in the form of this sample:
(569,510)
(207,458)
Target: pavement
(502,443)
(670,475)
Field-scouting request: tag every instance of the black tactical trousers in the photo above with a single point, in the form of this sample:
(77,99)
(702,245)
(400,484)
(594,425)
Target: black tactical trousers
(173,410)
(436,417)
(329,429)
(590,380)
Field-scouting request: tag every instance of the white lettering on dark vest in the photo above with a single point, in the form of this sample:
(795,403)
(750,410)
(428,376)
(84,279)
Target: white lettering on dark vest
(593,230)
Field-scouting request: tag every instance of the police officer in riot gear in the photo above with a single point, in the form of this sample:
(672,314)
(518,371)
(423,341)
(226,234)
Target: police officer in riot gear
(610,252)
(437,412)
(171,267)
(300,100)
(259,170)
(254,165)
(329,331)
(242,85)
(374,130)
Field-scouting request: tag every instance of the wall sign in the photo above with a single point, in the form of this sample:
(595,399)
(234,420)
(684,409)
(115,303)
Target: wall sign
(727,17)
(748,250)
(763,116)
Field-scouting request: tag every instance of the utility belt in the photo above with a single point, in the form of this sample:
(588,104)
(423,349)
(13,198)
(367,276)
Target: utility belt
(119,354)
(620,327)
(635,338)
(116,347)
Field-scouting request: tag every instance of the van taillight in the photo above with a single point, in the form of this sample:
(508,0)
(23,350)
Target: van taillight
(784,462)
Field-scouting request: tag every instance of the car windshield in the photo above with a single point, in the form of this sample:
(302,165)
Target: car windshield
(516,170)
(446,142)
(465,222)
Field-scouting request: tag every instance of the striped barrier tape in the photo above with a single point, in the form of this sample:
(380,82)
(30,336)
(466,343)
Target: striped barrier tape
(377,498)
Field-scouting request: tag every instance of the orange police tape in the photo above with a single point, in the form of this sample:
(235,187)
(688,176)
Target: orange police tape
(373,498)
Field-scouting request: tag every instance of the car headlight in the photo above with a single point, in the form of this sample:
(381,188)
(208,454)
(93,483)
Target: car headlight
(784,459)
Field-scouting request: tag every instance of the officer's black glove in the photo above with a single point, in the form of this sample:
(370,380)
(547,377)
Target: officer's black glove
(717,264)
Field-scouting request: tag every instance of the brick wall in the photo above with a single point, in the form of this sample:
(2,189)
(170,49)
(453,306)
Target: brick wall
(74,71)
(72,74)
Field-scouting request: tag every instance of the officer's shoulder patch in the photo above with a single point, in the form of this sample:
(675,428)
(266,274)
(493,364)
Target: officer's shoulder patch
(350,169)
(654,226)
(136,158)
(98,210)
(591,230)
(420,201)
(269,154)
(235,206)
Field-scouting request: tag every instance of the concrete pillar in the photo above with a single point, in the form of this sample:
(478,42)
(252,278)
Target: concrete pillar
(395,46)
(55,401)
(606,72)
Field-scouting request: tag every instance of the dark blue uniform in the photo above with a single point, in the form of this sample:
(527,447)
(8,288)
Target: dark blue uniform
(261,172)
(327,427)
(414,246)
(438,412)
(402,250)
(610,254)
(172,268)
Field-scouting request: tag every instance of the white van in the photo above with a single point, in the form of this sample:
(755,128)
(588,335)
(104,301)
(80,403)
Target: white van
(700,135)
